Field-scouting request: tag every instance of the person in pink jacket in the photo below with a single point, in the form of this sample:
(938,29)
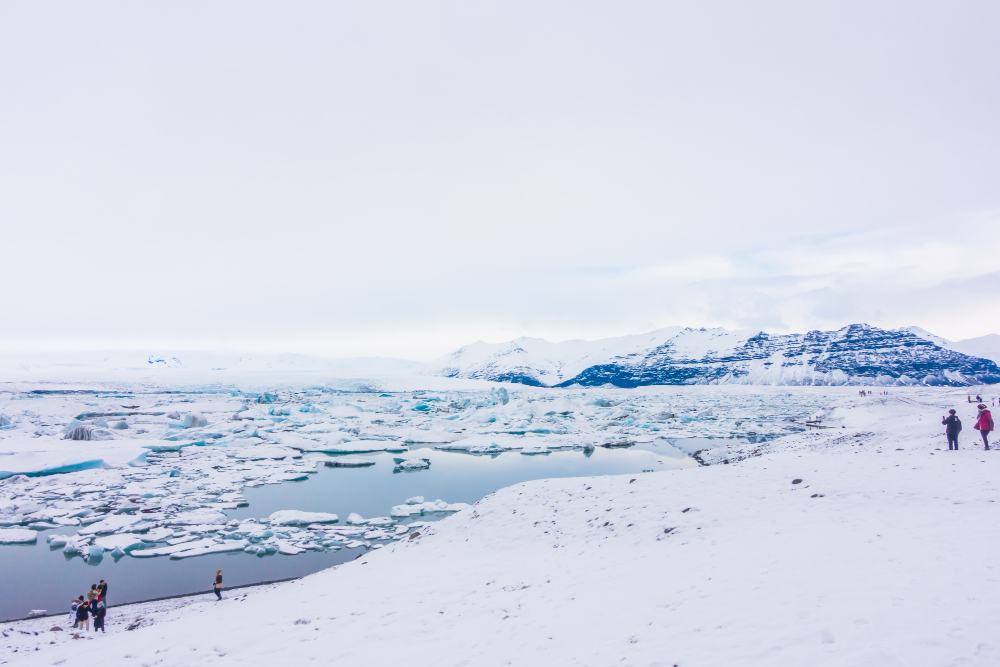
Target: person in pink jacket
(984,424)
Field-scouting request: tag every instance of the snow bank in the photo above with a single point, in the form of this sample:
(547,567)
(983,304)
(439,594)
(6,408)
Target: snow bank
(881,554)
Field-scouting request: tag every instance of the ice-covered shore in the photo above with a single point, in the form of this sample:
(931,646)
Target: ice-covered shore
(883,553)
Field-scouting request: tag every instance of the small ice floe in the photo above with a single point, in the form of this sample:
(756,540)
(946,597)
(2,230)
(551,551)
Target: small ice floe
(415,500)
(56,541)
(110,524)
(381,521)
(413,463)
(197,517)
(420,509)
(157,535)
(431,436)
(124,542)
(287,548)
(218,547)
(532,450)
(34,613)
(299,518)
(354,519)
(349,462)
(175,549)
(17,536)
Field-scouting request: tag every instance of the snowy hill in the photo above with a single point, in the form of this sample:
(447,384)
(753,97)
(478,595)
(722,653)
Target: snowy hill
(856,354)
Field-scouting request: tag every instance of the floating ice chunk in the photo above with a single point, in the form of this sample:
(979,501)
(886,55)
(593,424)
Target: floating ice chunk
(4,420)
(210,549)
(195,420)
(75,545)
(299,518)
(412,464)
(381,521)
(430,437)
(110,524)
(125,542)
(57,540)
(349,462)
(492,448)
(415,500)
(17,536)
(436,507)
(156,535)
(355,519)
(531,450)
(36,612)
(177,548)
(199,516)
(261,452)
(120,426)
(287,548)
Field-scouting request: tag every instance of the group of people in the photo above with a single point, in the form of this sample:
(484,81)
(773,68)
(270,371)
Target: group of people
(868,392)
(953,426)
(979,399)
(94,603)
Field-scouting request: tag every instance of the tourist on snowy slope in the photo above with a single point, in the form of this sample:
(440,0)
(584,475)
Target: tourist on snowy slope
(99,609)
(985,424)
(217,587)
(72,609)
(952,427)
(102,590)
(82,619)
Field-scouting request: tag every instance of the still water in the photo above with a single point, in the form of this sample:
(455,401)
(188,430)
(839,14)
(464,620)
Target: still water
(36,577)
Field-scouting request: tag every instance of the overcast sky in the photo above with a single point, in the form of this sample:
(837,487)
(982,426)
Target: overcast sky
(402,178)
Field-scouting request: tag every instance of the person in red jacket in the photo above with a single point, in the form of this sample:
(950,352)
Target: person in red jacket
(984,424)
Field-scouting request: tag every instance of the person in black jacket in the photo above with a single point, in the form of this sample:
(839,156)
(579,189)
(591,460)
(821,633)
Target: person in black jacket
(952,427)
(83,615)
(98,609)
(217,586)
(102,590)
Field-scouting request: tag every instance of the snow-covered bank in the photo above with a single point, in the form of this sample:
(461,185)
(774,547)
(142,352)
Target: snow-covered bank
(883,554)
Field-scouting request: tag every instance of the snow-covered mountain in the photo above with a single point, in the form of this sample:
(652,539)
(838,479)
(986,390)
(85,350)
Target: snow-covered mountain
(987,347)
(857,354)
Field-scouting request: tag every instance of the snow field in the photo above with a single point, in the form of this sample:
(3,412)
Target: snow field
(884,553)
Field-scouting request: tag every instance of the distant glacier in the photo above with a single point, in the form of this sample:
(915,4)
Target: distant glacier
(858,354)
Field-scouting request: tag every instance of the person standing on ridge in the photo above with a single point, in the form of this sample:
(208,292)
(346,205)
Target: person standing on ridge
(984,424)
(217,587)
(952,427)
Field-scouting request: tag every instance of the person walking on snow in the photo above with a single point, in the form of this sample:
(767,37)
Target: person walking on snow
(984,424)
(217,587)
(952,427)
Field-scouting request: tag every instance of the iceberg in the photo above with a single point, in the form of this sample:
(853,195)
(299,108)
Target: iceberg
(299,518)
(17,536)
